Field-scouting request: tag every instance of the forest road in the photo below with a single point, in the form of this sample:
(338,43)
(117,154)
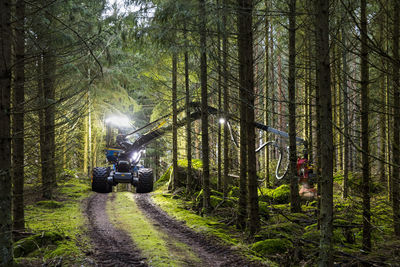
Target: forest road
(208,250)
(112,247)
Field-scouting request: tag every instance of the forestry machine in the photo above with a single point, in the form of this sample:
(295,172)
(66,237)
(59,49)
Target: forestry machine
(126,156)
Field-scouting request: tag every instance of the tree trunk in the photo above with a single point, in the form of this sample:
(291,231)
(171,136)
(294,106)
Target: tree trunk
(204,107)
(247,141)
(396,121)
(345,119)
(219,85)
(266,113)
(174,122)
(18,120)
(364,130)
(6,257)
(294,188)
(49,176)
(325,122)
(226,97)
(188,122)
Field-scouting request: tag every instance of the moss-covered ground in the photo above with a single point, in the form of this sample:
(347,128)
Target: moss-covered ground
(59,227)
(155,245)
(285,238)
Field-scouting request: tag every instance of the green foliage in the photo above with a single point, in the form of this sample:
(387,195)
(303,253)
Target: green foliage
(272,246)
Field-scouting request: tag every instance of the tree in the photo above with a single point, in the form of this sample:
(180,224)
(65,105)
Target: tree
(325,122)
(6,257)
(364,129)
(294,188)
(204,105)
(18,119)
(396,119)
(247,131)
(174,121)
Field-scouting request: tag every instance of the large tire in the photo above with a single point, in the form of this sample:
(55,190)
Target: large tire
(145,184)
(99,180)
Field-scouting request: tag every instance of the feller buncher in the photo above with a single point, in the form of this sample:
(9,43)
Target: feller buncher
(125,158)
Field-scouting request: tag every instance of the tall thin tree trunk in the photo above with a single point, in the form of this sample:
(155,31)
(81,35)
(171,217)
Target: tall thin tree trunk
(219,85)
(294,188)
(345,119)
(6,257)
(226,97)
(246,89)
(325,122)
(364,130)
(174,122)
(204,106)
(266,113)
(18,120)
(396,120)
(188,122)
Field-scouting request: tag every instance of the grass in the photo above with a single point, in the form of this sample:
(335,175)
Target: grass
(155,245)
(64,217)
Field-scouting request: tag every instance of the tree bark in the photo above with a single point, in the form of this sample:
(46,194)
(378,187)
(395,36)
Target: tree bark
(266,99)
(396,120)
(204,106)
(246,89)
(49,178)
(294,188)
(325,122)
(6,257)
(226,97)
(18,120)
(188,122)
(345,119)
(364,130)
(174,122)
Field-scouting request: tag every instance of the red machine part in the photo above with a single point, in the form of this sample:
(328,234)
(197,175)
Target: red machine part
(304,171)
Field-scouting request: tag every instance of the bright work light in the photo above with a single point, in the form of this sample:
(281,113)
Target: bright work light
(222,120)
(119,121)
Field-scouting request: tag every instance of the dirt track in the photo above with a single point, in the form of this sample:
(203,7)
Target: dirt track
(114,247)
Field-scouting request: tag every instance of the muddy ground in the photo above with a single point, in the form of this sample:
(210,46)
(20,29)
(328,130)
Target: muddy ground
(114,247)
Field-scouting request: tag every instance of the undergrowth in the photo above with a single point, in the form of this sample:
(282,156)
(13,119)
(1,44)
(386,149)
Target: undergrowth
(57,227)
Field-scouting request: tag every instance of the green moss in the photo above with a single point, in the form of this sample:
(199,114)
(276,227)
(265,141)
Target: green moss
(263,210)
(64,218)
(49,204)
(27,245)
(272,246)
(312,235)
(217,201)
(287,229)
(156,246)
(279,195)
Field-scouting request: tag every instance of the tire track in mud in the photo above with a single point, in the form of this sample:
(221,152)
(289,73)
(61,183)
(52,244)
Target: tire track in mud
(112,247)
(209,251)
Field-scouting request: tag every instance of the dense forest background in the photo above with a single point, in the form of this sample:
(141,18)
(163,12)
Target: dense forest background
(325,71)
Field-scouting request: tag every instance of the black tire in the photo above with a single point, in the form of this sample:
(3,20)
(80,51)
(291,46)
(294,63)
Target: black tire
(99,180)
(145,184)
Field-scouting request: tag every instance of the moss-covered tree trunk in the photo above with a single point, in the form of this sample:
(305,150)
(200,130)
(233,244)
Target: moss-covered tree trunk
(188,122)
